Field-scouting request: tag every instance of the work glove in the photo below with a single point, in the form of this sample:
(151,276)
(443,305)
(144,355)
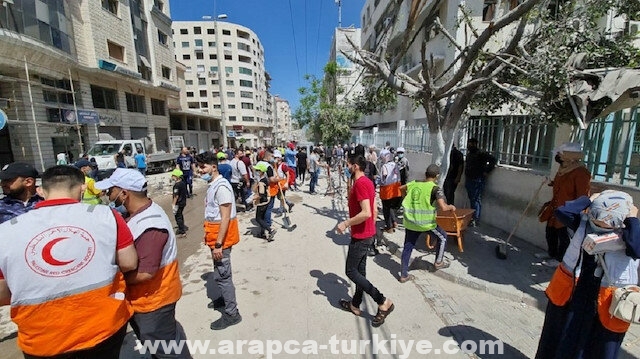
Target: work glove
(175,209)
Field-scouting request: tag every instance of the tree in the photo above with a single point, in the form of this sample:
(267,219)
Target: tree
(327,120)
(536,47)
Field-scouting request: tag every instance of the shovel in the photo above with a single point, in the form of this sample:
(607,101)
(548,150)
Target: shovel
(501,249)
(286,221)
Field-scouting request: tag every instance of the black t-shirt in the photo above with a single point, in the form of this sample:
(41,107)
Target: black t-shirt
(370,171)
(302,159)
(455,160)
(180,190)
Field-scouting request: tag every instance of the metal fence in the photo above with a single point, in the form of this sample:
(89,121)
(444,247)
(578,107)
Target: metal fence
(612,148)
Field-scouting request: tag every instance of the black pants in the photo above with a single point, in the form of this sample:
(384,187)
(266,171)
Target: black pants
(356,271)
(557,242)
(449,189)
(261,214)
(180,220)
(302,171)
(160,324)
(389,207)
(108,349)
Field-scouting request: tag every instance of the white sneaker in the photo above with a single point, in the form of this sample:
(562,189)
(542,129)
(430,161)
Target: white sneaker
(550,263)
(542,255)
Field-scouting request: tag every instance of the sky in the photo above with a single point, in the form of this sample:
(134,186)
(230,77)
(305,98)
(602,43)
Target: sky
(286,60)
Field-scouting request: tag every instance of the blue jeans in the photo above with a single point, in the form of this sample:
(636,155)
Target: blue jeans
(143,171)
(314,181)
(356,270)
(267,215)
(410,238)
(475,188)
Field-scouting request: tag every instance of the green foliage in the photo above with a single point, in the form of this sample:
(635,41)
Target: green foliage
(376,96)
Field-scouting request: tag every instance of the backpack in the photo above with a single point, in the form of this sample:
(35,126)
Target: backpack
(288,170)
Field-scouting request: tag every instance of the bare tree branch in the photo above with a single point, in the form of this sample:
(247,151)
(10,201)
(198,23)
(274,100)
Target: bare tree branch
(506,62)
(446,34)
(482,40)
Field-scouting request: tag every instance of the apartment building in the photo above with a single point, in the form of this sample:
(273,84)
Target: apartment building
(225,76)
(283,126)
(75,71)
(347,82)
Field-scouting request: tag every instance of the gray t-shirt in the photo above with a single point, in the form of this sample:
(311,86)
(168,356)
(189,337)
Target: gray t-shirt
(313,162)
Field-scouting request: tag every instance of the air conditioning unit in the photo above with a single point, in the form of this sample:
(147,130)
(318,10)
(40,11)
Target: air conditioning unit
(634,28)
(213,74)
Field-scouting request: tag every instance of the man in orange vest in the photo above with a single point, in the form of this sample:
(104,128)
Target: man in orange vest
(154,287)
(221,233)
(61,268)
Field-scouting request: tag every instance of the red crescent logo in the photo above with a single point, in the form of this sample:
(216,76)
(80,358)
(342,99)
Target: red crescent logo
(46,253)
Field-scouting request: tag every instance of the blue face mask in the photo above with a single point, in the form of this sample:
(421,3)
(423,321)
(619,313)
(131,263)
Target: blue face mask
(207,177)
(120,208)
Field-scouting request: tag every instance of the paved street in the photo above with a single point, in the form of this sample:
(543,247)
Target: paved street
(289,289)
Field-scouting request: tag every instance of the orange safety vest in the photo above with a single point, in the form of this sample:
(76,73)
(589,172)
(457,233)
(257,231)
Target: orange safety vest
(605,296)
(165,287)
(67,290)
(561,286)
(390,191)
(211,230)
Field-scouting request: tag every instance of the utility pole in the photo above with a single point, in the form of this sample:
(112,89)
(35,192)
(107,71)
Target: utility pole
(339,3)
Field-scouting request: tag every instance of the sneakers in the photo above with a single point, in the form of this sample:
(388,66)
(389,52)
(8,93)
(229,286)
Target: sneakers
(550,263)
(372,252)
(216,304)
(441,265)
(473,223)
(226,321)
(271,234)
(181,234)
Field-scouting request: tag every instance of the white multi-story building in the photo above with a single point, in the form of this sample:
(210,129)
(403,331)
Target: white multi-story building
(347,81)
(282,121)
(225,76)
(119,57)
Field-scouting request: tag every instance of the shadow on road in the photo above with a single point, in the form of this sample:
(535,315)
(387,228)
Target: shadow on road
(331,286)
(480,343)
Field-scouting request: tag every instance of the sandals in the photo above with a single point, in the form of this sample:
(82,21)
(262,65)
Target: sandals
(346,306)
(381,315)
(441,265)
(406,279)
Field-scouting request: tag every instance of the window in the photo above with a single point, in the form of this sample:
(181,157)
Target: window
(211,31)
(188,82)
(189,93)
(188,69)
(184,32)
(246,94)
(135,103)
(226,44)
(248,118)
(199,55)
(232,107)
(232,118)
(229,82)
(186,57)
(104,97)
(228,57)
(185,44)
(213,57)
(203,105)
(162,37)
(215,94)
(228,69)
(213,68)
(226,32)
(115,51)
(111,6)
(488,10)
(198,42)
(246,59)
(193,104)
(157,107)
(159,5)
(216,107)
(203,93)
(245,71)
(520,141)
(244,47)
(246,83)
(215,82)
(166,72)
(202,81)
(231,94)
(197,30)
(200,68)
(247,106)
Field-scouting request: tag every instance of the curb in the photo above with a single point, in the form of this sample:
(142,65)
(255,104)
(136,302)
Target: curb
(396,250)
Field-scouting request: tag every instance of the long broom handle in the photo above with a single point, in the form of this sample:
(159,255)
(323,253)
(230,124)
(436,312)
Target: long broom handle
(535,195)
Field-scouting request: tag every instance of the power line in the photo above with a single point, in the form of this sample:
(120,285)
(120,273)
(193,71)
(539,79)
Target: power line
(318,36)
(295,48)
(306,40)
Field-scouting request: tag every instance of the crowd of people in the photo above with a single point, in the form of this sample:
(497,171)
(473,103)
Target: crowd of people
(125,261)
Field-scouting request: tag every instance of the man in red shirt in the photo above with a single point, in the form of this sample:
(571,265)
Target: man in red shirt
(362,215)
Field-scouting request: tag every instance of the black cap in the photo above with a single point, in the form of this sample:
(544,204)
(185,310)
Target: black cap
(18,169)
(83,163)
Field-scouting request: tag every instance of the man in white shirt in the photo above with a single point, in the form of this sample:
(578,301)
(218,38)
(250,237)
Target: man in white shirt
(239,177)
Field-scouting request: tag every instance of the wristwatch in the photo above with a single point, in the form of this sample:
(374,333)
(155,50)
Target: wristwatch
(218,245)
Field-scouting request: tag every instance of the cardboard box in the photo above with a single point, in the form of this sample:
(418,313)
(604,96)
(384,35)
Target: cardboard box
(601,243)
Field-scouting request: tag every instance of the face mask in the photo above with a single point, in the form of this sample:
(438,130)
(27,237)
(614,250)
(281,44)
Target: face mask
(272,161)
(118,207)
(207,177)
(558,158)
(597,229)
(400,155)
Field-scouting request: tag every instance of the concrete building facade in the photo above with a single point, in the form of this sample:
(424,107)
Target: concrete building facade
(94,67)
(225,77)
(283,126)
(347,83)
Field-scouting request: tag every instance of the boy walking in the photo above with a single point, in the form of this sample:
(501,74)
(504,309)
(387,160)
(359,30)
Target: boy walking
(420,217)
(261,201)
(180,195)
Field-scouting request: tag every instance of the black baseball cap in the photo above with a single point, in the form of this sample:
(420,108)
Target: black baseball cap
(18,169)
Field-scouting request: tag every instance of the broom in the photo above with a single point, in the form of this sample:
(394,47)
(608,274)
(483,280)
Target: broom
(501,249)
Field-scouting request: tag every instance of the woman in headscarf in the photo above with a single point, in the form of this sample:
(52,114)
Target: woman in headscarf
(389,190)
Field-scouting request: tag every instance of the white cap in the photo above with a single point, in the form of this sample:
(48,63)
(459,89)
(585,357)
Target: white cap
(124,178)
(567,147)
(277,154)
(400,149)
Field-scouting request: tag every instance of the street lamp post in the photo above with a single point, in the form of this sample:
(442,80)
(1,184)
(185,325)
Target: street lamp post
(221,80)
